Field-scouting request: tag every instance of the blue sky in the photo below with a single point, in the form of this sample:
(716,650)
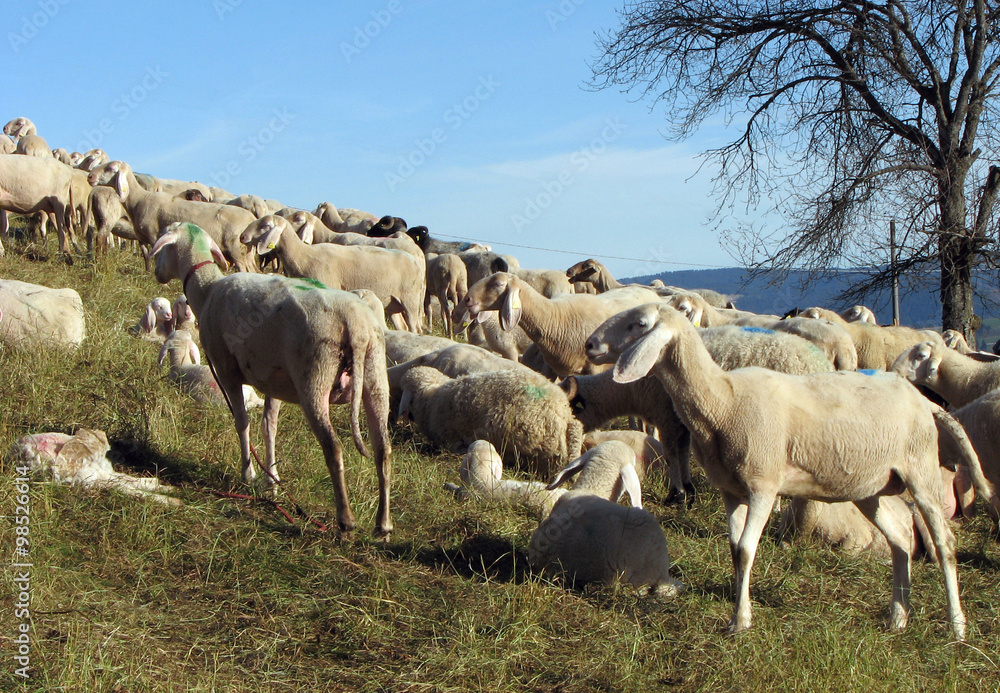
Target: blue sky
(471,118)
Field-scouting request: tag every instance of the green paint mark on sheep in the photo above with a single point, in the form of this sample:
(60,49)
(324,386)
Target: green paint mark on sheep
(535,392)
(313,284)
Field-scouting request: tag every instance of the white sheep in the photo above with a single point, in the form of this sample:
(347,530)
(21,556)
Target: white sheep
(560,325)
(448,282)
(981,420)
(81,460)
(481,471)
(859,314)
(827,436)
(188,373)
(958,378)
(34,315)
(157,321)
(294,342)
(589,537)
(648,450)
(526,417)
(401,346)
(701,313)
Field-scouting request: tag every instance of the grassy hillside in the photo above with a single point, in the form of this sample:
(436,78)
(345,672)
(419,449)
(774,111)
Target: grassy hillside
(226,595)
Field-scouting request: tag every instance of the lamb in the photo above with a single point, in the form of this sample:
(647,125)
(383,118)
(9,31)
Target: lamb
(107,215)
(559,326)
(344,220)
(197,380)
(81,460)
(595,275)
(591,538)
(396,277)
(184,318)
(647,449)
(294,342)
(526,417)
(33,315)
(877,346)
(826,436)
(958,378)
(447,281)
(859,314)
(157,321)
(481,471)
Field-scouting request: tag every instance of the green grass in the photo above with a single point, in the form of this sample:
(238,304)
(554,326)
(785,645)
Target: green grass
(226,595)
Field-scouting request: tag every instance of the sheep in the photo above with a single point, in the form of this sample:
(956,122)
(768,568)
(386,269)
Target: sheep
(29,142)
(396,277)
(372,300)
(487,332)
(833,339)
(183,317)
(30,184)
(981,420)
(591,538)
(859,314)
(33,315)
(703,314)
(481,471)
(447,281)
(252,203)
(294,342)
(151,211)
(877,346)
(343,220)
(107,215)
(157,321)
(525,416)
(81,460)
(404,346)
(187,372)
(647,449)
(559,326)
(592,273)
(826,436)
(958,378)
(596,399)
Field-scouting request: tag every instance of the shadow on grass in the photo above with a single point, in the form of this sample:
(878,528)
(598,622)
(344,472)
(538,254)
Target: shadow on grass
(480,557)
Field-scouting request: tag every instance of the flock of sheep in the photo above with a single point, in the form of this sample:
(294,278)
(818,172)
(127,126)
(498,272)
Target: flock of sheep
(821,407)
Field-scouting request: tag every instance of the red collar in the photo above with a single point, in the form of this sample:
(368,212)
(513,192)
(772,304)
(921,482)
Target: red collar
(191,273)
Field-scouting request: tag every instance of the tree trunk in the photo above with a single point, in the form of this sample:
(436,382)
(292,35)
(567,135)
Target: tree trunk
(957,254)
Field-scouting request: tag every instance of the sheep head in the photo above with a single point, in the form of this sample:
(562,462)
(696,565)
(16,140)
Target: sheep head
(419,379)
(265,233)
(585,271)
(188,240)
(499,291)
(634,339)
(482,466)
(606,470)
(920,364)
(859,314)
(691,305)
(181,349)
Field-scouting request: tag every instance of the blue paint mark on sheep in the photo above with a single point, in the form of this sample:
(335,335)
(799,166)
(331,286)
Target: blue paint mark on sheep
(869,371)
(757,330)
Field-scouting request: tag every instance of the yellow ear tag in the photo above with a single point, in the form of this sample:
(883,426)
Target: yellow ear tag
(697,321)
(272,246)
(515,303)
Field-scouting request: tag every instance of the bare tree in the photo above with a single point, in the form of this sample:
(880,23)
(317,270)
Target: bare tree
(854,113)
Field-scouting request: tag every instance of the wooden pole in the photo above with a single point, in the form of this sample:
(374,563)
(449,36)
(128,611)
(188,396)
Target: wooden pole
(895,275)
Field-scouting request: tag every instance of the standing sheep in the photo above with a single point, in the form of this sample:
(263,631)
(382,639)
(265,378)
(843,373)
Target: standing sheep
(828,436)
(293,341)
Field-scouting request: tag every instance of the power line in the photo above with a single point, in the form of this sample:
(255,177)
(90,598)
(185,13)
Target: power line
(576,253)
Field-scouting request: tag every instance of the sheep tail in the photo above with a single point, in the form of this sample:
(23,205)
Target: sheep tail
(966,455)
(359,353)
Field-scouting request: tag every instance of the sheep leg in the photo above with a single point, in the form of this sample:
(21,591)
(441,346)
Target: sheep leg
(755,516)
(930,508)
(376,401)
(317,412)
(269,430)
(900,540)
(234,393)
(449,325)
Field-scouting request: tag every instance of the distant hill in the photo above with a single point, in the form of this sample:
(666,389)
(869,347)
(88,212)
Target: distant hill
(919,303)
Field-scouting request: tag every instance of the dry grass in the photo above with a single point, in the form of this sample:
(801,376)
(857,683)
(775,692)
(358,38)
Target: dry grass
(226,595)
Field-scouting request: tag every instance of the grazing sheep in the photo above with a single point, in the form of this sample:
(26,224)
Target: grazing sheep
(958,378)
(344,220)
(595,275)
(560,325)
(33,315)
(193,378)
(833,339)
(81,460)
(448,282)
(526,417)
(396,277)
(591,538)
(826,436)
(157,321)
(877,346)
(703,314)
(294,342)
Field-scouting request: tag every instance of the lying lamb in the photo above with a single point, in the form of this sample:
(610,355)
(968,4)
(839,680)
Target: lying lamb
(157,321)
(81,460)
(187,371)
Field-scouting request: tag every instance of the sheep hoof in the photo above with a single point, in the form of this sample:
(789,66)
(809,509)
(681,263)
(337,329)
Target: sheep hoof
(738,626)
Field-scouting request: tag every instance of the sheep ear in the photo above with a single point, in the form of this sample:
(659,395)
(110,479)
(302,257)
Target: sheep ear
(148,320)
(404,404)
(631,485)
(482,316)
(568,471)
(638,360)
(120,183)
(269,240)
(499,265)
(570,387)
(307,233)
(218,255)
(194,353)
(162,242)
(164,350)
(510,312)
(933,363)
